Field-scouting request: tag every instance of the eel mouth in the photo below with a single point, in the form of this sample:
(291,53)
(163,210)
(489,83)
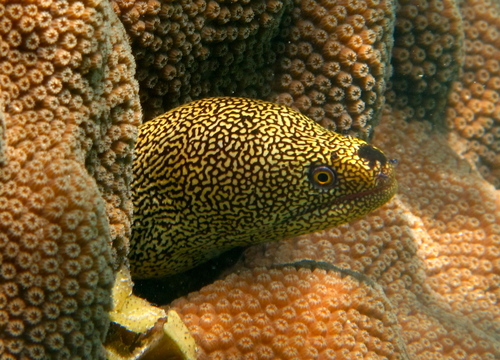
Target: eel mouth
(384,182)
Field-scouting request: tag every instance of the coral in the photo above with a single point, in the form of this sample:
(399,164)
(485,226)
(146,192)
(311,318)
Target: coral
(55,280)
(187,50)
(454,217)
(427,56)
(332,62)
(473,115)
(433,249)
(291,314)
(326,59)
(71,110)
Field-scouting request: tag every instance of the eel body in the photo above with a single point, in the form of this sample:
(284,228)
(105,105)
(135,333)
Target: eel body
(224,172)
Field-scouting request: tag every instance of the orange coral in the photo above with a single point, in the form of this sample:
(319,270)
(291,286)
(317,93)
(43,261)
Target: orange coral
(327,59)
(427,56)
(474,112)
(71,110)
(55,280)
(291,314)
(433,250)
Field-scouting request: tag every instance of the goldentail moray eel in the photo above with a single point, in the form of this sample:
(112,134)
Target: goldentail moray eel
(224,172)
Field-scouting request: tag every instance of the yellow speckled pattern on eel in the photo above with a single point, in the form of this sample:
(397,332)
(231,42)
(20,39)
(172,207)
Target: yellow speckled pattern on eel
(224,172)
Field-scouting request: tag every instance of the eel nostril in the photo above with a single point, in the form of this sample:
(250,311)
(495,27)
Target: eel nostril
(372,154)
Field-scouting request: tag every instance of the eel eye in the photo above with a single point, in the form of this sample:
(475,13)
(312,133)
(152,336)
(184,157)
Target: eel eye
(322,176)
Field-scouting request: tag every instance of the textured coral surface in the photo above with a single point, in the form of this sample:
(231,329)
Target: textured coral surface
(428,51)
(328,59)
(474,112)
(70,108)
(292,314)
(67,122)
(433,249)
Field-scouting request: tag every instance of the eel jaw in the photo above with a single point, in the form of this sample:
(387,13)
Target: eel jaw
(385,186)
(383,183)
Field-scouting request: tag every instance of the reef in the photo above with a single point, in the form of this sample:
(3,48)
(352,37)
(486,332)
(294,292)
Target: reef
(327,59)
(473,114)
(416,279)
(70,108)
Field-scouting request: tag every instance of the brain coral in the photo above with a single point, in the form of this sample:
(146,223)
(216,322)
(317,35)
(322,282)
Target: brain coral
(328,59)
(70,110)
(434,251)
